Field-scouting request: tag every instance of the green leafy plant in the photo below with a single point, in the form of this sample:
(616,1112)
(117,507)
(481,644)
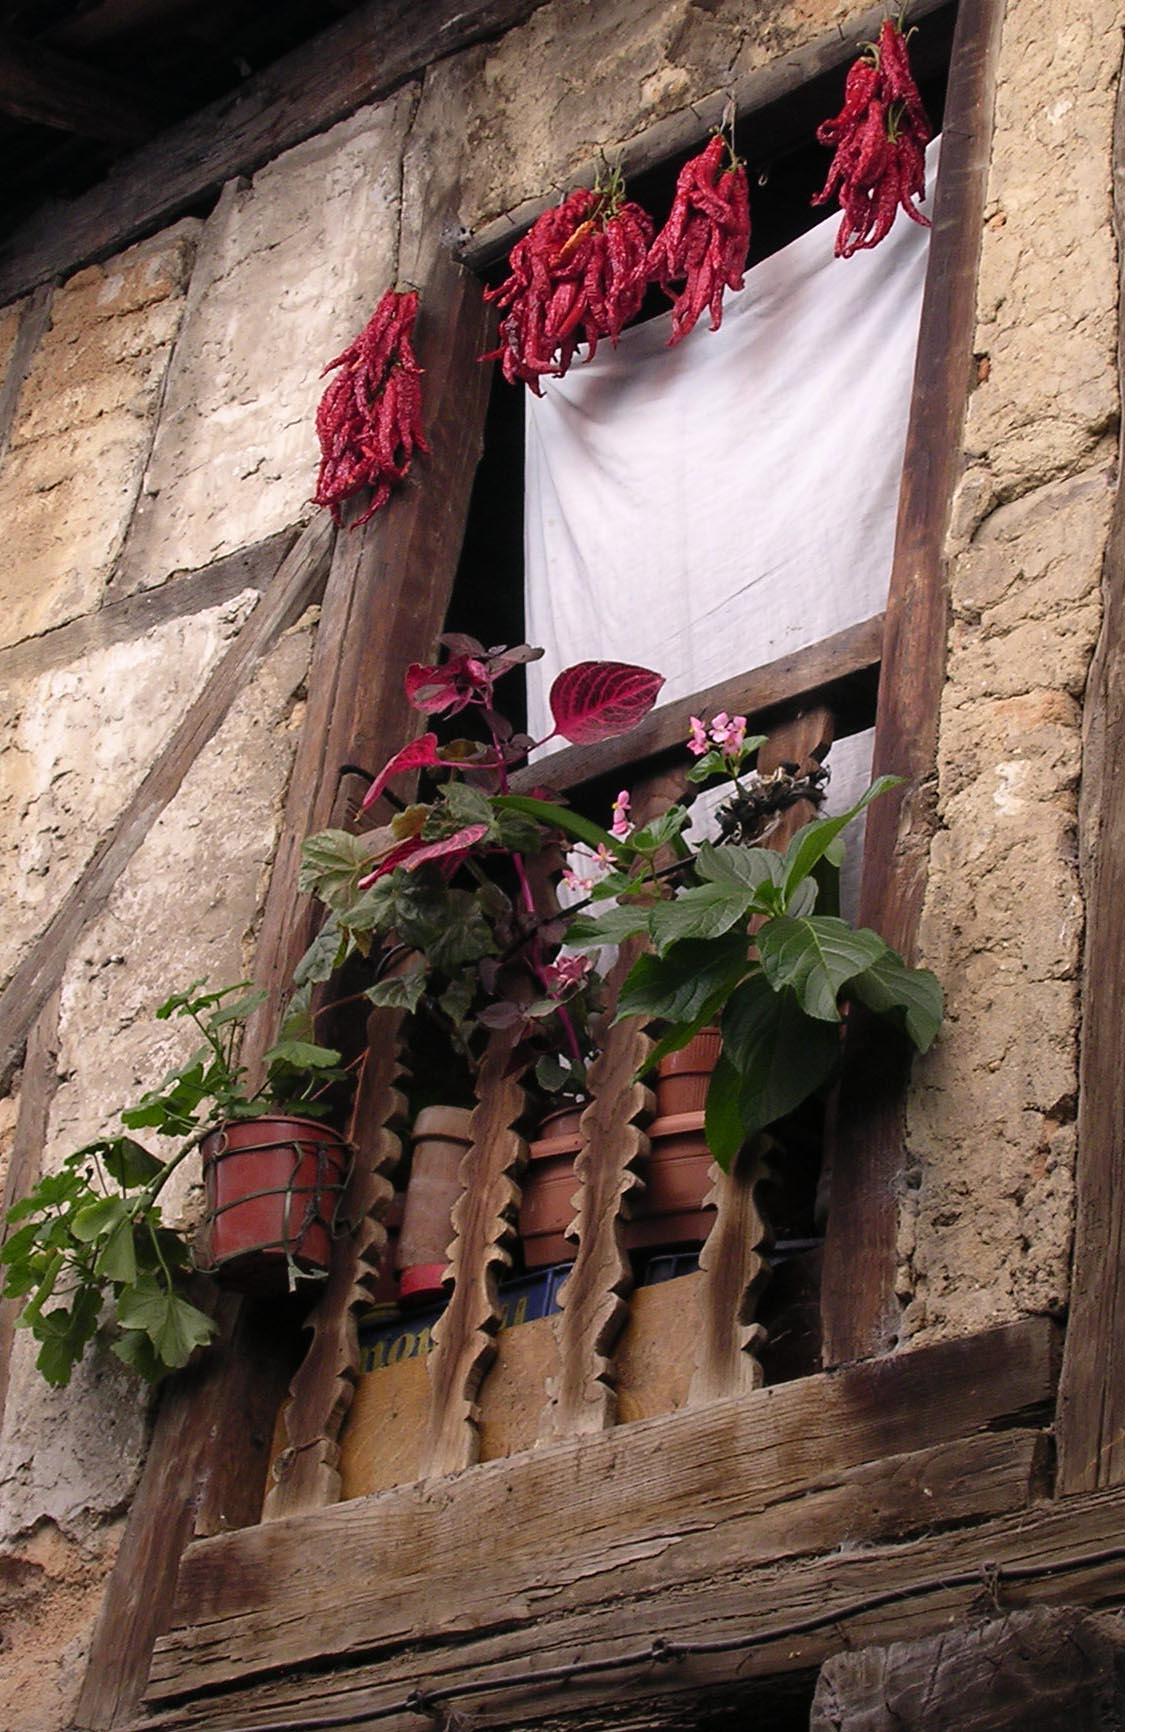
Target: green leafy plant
(751,940)
(94,1231)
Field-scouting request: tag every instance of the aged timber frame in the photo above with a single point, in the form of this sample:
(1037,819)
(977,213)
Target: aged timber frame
(634,1583)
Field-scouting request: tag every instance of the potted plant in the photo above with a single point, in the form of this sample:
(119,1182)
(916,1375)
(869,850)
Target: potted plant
(749,942)
(94,1231)
(454,906)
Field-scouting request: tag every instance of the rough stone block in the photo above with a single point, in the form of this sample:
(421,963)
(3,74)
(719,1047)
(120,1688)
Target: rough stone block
(83,429)
(290,267)
(74,744)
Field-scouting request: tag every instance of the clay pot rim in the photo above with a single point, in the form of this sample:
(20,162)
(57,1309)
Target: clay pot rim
(676,1123)
(682,1061)
(434,1121)
(548,1147)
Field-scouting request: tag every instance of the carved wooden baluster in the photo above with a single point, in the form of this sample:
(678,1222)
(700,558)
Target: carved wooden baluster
(734,1269)
(305,1474)
(483,1224)
(593,1299)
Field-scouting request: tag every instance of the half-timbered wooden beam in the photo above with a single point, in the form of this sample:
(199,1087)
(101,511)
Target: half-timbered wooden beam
(362,58)
(860,1305)
(54,90)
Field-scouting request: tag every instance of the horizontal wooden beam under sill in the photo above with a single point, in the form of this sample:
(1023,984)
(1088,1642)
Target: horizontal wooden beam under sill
(680,131)
(364,57)
(660,1507)
(839,672)
(531,1669)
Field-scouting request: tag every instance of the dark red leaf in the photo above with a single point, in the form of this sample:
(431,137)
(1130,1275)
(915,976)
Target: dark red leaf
(414,852)
(597,700)
(420,753)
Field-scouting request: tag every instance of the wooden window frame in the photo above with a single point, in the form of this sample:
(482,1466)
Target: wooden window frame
(966,1403)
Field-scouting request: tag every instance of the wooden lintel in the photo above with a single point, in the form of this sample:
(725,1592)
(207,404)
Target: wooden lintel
(787,1614)
(365,56)
(840,672)
(587,1521)
(54,90)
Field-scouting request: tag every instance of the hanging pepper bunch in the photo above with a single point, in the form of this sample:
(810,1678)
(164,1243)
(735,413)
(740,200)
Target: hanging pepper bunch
(369,421)
(579,273)
(880,136)
(704,243)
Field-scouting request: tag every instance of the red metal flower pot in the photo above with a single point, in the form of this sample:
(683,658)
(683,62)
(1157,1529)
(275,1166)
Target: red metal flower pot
(548,1185)
(272,1187)
(440,1137)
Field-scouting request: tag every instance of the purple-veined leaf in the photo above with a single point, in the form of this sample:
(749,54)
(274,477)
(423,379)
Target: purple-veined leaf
(597,700)
(416,756)
(414,852)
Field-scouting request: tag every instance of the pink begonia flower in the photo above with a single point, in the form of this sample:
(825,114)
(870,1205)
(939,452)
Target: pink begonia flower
(574,881)
(567,974)
(728,732)
(622,824)
(697,742)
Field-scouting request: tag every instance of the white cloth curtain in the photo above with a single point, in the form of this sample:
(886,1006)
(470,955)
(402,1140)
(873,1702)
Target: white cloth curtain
(705,509)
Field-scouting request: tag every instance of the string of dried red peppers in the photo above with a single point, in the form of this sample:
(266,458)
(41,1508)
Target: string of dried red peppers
(579,273)
(705,240)
(369,420)
(880,135)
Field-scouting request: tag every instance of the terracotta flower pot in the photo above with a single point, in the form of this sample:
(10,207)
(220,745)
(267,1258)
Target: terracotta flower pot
(272,1186)
(548,1185)
(440,1138)
(683,1077)
(669,1212)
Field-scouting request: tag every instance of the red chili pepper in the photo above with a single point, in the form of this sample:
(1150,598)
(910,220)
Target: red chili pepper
(703,245)
(880,137)
(369,417)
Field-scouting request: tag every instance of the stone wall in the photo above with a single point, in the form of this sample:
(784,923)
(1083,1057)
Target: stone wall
(164,428)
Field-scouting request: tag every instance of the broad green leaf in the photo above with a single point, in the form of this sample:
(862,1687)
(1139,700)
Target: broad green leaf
(128,1162)
(728,864)
(802,901)
(457,807)
(455,1000)
(706,911)
(303,1055)
(98,1219)
(712,763)
(20,1243)
(559,818)
(678,987)
(332,861)
(238,1010)
(782,1055)
(550,1073)
(612,926)
(322,956)
(399,991)
(814,957)
(175,1327)
(134,1349)
(118,1261)
(64,1335)
(660,831)
(888,986)
(683,1032)
(813,841)
(725,1132)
